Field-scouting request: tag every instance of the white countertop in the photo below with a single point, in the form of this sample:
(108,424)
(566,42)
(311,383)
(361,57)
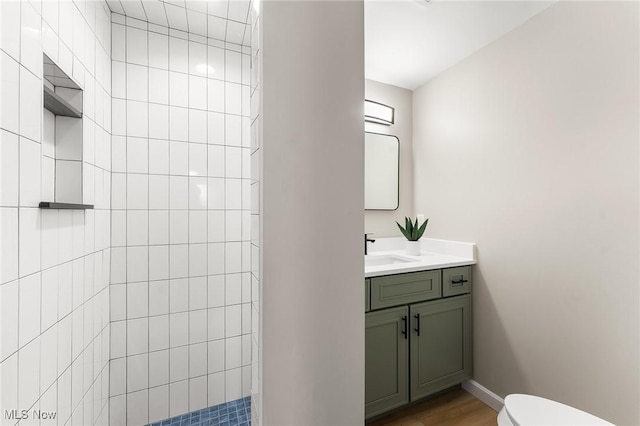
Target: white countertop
(435,254)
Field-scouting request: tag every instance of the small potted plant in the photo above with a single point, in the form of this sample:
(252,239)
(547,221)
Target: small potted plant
(413,232)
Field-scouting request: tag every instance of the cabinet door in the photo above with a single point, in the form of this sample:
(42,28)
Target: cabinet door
(386,364)
(440,345)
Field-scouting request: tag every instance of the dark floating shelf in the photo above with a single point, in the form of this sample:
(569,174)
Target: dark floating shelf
(67,206)
(54,103)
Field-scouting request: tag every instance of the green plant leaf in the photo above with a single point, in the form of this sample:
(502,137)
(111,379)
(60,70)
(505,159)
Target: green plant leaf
(403,230)
(422,228)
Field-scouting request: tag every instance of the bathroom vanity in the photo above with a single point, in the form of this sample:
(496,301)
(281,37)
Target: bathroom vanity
(417,322)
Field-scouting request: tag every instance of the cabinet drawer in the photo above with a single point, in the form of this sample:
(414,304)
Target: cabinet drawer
(456,281)
(367,295)
(401,289)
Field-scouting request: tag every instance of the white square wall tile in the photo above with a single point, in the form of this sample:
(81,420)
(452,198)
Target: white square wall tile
(216,258)
(197,126)
(137,300)
(197,92)
(158,192)
(233,352)
(179,363)
(136,41)
(137,372)
(137,82)
(159,227)
(118,339)
(118,154)
(159,86)
(137,336)
(178,192)
(30,169)
(10,28)
(159,156)
(178,89)
(216,96)
(215,128)
(158,121)
(29,241)
(216,388)
(198,326)
(179,398)
(159,262)
(215,291)
(178,55)
(9,75)
(137,227)
(178,226)
(137,191)
(30,105)
(197,59)
(179,158)
(216,354)
(138,408)
(118,376)
(28,373)
(137,155)
(9,318)
(137,119)
(198,193)
(179,261)
(29,308)
(137,264)
(158,50)
(158,297)
(233,98)
(233,324)
(158,403)
(197,360)
(159,332)
(198,393)
(178,295)
(197,226)
(9,244)
(9,149)
(216,319)
(158,368)
(118,302)
(178,123)
(233,384)
(216,226)
(30,38)
(197,159)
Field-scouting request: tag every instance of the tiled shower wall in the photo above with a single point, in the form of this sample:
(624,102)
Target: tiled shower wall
(256,206)
(54,264)
(180,278)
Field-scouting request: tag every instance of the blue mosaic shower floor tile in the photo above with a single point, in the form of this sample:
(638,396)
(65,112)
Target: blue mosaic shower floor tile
(232,413)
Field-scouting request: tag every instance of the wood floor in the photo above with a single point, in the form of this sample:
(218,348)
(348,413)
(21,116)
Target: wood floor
(455,407)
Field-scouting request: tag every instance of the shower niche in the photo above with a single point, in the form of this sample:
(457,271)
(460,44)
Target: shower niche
(62,159)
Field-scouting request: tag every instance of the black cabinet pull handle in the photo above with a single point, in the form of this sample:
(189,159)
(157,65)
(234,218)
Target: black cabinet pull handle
(459,282)
(417,329)
(404,326)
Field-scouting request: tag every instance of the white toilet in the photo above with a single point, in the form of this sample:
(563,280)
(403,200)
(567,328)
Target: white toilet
(529,410)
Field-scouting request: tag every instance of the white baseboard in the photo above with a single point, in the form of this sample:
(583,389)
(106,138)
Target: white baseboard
(483,394)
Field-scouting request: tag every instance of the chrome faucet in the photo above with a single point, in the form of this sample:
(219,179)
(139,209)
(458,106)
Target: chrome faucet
(367,240)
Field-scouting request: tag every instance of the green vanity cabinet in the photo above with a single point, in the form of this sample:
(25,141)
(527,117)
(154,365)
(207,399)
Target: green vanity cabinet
(422,344)
(440,345)
(386,360)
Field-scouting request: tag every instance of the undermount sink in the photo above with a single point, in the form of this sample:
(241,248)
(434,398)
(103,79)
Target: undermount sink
(388,259)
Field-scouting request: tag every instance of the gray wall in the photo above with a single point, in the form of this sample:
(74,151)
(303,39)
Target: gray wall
(530,149)
(380,222)
(312,156)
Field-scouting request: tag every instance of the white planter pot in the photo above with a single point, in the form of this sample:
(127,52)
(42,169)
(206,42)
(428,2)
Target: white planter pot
(413,248)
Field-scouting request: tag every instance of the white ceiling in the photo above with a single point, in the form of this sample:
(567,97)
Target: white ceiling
(408,42)
(220,19)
